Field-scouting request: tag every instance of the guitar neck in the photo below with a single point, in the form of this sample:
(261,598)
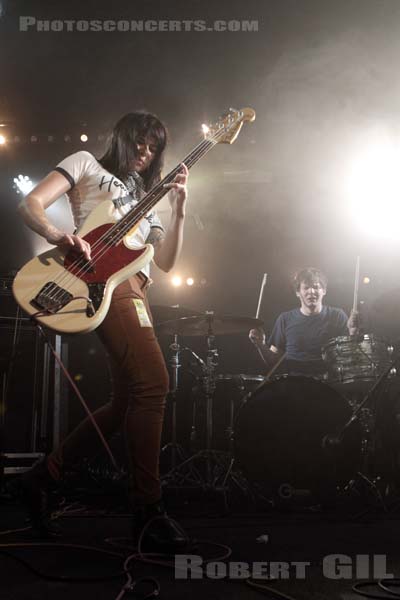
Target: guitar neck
(155,194)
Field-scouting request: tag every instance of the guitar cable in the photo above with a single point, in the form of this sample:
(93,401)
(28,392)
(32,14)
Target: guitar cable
(80,397)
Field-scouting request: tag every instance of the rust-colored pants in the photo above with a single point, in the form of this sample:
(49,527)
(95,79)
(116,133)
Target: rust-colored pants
(140,385)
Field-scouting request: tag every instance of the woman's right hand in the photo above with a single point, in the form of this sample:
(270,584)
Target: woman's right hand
(67,242)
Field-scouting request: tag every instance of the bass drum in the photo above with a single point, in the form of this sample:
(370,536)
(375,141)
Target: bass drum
(286,439)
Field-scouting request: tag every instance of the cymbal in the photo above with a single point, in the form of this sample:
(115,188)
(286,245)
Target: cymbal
(209,324)
(163,313)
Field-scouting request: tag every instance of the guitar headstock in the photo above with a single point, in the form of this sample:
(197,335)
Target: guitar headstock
(227,128)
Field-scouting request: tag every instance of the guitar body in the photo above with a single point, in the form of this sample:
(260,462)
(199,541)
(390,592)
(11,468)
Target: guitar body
(55,275)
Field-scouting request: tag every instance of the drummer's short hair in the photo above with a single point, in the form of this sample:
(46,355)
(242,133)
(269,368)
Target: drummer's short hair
(309,275)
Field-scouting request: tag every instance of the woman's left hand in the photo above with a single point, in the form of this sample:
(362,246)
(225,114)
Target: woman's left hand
(178,194)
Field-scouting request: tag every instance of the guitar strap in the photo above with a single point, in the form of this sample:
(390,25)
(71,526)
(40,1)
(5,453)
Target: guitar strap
(135,185)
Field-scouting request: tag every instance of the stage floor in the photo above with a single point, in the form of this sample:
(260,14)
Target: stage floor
(265,542)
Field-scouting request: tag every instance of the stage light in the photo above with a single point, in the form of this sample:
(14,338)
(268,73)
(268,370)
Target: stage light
(374,189)
(176,281)
(3,140)
(84,137)
(189,281)
(22,184)
(205,129)
(366,280)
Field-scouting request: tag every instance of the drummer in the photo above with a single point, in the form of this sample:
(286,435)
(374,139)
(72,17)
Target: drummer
(302,332)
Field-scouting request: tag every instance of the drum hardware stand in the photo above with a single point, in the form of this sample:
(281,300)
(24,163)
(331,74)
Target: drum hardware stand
(213,459)
(193,429)
(177,452)
(366,417)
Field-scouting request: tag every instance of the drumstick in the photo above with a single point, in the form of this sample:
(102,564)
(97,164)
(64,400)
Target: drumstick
(356,284)
(264,281)
(266,378)
(276,365)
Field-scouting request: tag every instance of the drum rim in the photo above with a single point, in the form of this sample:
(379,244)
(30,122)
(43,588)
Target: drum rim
(357,340)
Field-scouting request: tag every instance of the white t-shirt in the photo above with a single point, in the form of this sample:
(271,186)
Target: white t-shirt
(91,184)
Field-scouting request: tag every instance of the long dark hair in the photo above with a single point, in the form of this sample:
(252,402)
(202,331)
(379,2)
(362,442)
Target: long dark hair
(122,148)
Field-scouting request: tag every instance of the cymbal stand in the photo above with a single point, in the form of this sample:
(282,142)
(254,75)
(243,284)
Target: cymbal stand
(218,472)
(174,475)
(212,458)
(209,389)
(176,449)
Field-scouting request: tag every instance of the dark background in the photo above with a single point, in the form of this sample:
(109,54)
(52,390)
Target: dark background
(323,79)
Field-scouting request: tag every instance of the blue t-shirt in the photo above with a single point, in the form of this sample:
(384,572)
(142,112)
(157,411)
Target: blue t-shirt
(302,337)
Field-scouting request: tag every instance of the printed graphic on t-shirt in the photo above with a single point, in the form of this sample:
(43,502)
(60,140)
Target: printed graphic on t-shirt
(109,181)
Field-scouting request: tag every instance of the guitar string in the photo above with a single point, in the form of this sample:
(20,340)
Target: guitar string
(148,201)
(120,228)
(126,223)
(118,231)
(190,160)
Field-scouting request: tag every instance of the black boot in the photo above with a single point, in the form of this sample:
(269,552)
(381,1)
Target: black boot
(35,488)
(156,532)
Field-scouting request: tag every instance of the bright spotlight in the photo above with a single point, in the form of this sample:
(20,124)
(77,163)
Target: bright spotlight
(374,189)
(205,129)
(366,280)
(176,281)
(189,281)
(22,184)
(3,140)
(84,137)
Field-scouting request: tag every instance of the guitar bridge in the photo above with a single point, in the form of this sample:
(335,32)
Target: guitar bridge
(51,298)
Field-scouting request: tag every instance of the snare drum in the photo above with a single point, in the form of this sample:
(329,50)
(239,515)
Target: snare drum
(352,359)
(285,438)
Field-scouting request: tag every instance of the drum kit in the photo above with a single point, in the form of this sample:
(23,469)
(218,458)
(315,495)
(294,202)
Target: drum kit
(287,436)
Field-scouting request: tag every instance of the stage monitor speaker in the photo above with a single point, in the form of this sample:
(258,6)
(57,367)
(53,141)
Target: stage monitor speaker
(22,383)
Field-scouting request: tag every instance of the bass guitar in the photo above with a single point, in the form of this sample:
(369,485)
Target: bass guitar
(72,295)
